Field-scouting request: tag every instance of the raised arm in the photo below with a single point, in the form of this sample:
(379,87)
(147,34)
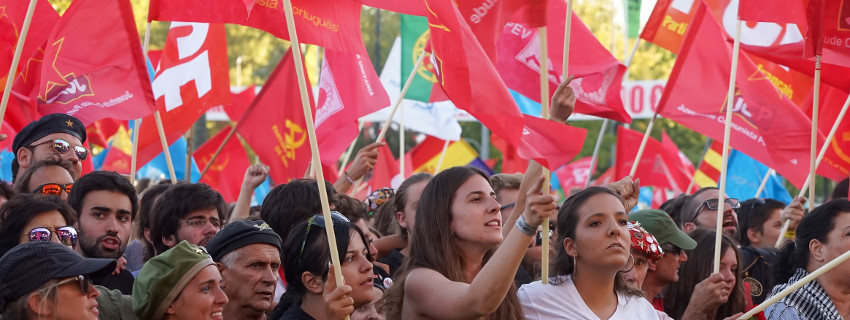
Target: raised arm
(254,176)
(363,162)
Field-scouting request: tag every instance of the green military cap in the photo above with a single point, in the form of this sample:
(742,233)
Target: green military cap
(662,227)
(163,278)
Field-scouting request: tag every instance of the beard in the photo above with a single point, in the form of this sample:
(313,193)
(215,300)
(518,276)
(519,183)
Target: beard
(93,249)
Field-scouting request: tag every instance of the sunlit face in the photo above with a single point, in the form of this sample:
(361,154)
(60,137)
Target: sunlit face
(407,218)
(51,174)
(837,242)
(602,236)
(51,219)
(707,218)
(202,298)
(357,270)
(197,234)
(666,269)
(250,283)
(43,151)
(476,221)
(729,270)
(74,304)
(105,224)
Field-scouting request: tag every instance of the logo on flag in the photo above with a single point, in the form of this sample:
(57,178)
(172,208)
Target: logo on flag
(193,66)
(289,142)
(329,100)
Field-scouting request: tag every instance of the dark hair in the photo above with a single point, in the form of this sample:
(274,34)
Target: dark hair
(698,268)
(102,181)
(313,257)
(289,204)
(22,183)
(568,220)
(175,203)
(400,198)
(673,207)
(16,213)
(752,215)
(433,245)
(815,225)
(146,202)
(351,208)
(6,190)
(690,206)
(841,189)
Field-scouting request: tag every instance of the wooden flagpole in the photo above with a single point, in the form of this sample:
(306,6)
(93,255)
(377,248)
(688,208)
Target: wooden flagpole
(350,149)
(217,151)
(13,69)
(643,144)
(401,144)
(595,155)
(725,159)
(314,146)
(542,35)
(165,149)
(442,156)
(190,137)
(764,182)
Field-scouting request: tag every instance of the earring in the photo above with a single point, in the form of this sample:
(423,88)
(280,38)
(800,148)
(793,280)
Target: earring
(575,266)
(630,264)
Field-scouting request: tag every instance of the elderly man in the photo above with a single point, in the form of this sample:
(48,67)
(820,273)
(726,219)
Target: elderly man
(247,253)
(53,134)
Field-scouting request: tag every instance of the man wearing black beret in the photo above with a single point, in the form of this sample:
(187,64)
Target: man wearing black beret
(56,133)
(247,253)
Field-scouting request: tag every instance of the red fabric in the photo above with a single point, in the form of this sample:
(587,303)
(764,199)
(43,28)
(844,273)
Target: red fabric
(192,76)
(766,125)
(240,102)
(780,11)
(12,13)
(658,166)
(829,29)
(385,170)
(467,76)
(573,175)
(116,160)
(425,151)
(836,161)
(598,73)
(98,133)
(349,88)
(666,26)
(154,56)
(333,24)
(511,161)
(486,19)
(416,8)
(544,141)
(223,175)
(92,68)
(685,169)
(659,196)
(274,125)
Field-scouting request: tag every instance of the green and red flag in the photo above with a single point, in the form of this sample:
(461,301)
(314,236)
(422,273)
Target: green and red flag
(414,39)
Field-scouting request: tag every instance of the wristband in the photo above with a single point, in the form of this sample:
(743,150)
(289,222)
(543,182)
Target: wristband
(347,178)
(524,227)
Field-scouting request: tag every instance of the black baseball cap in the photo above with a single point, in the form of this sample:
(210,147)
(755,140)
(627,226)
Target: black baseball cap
(28,266)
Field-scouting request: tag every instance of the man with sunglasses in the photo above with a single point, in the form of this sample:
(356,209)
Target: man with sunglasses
(50,176)
(700,211)
(105,203)
(53,134)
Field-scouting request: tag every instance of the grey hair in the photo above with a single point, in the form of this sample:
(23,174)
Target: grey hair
(229,260)
(19,309)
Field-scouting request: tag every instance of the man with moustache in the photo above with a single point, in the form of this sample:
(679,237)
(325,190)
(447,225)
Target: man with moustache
(247,253)
(105,203)
(54,134)
(186,211)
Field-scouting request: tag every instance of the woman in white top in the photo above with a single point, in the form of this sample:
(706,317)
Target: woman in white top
(593,247)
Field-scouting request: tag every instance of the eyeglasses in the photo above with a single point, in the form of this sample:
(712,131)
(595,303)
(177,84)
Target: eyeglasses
(671,248)
(67,234)
(200,222)
(83,281)
(319,221)
(53,189)
(508,206)
(711,204)
(62,147)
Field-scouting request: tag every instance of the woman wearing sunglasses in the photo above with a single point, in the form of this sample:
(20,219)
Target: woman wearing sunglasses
(45,280)
(311,291)
(34,218)
(460,265)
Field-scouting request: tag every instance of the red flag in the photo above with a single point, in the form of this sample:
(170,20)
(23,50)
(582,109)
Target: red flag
(658,165)
(598,73)
(659,196)
(790,11)
(240,102)
(12,13)
(349,88)
(836,161)
(486,19)
(766,125)
(333,24)
(573,175)
(543,141)
(468,77)
(274,125)
(116,160)
(93,65)
(416,8)
(223,175)
(685,169)
(385,170)
(99,132)
(829,30)
(192,77)
(667,24)
(511,161)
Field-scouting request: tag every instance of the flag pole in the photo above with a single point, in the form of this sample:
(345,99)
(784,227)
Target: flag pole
(311,134)
(442,156)
(815,102)
(13,69)
(401,96)
(815,110)
(595,155)
(165,149)
(350,149)
(137,124)
(567,26)
(542,34)
(190,135)
(796,285)
(401,143)
(764,182)
(726,135)
(643,144)
(217,151)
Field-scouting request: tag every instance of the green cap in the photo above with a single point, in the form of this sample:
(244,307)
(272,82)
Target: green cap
(163,278)
(662,227)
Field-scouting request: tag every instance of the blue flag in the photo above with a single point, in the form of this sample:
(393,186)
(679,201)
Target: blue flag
(158,167)
(744,176)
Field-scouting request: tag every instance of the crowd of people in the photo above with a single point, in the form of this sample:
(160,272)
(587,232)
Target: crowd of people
(456,245)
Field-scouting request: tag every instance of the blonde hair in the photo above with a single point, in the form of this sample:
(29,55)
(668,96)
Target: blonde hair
(19,309)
